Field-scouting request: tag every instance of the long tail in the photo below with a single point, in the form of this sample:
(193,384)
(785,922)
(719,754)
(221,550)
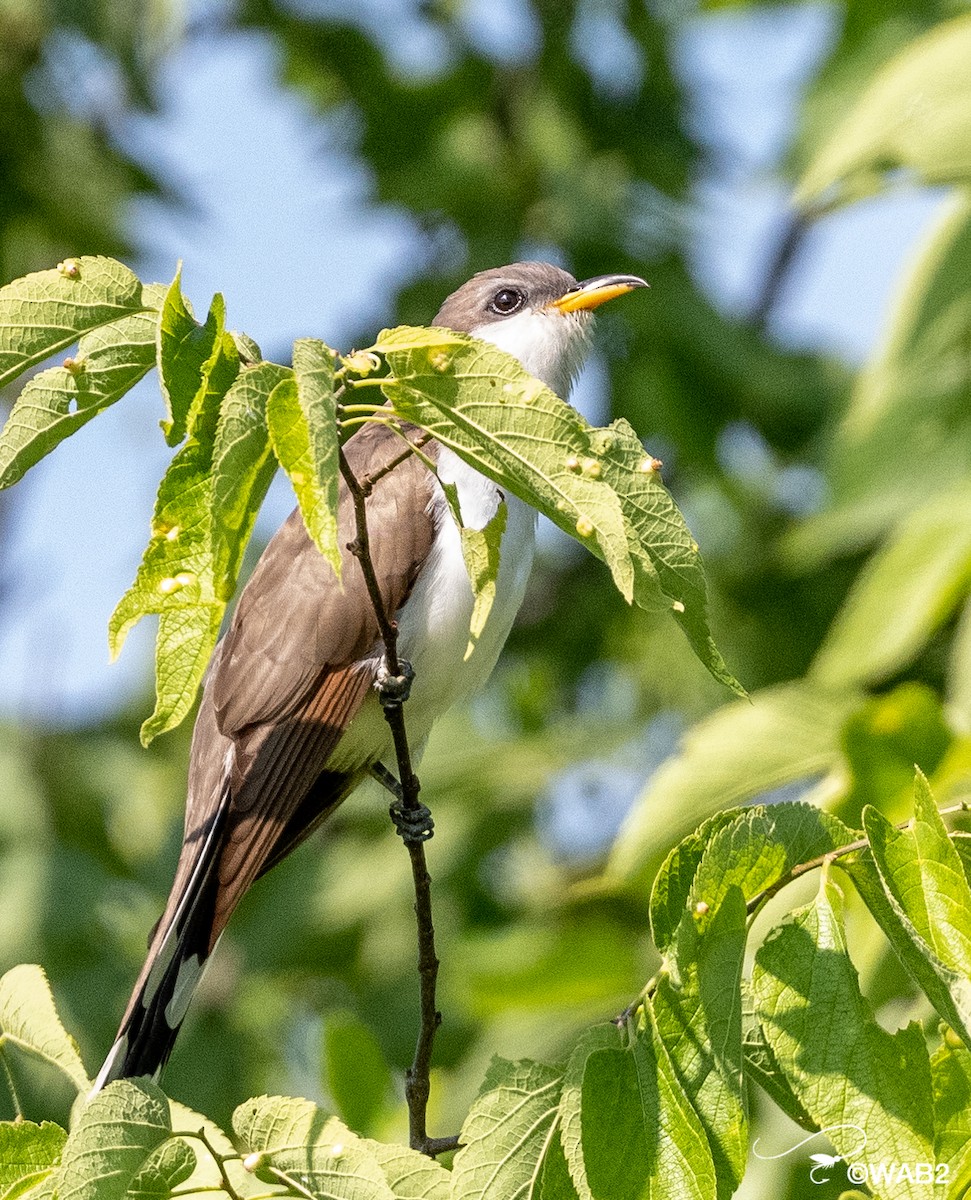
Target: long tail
(176,960)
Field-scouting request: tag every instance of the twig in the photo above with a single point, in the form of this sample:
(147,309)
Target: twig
(417,1084)
(786,250)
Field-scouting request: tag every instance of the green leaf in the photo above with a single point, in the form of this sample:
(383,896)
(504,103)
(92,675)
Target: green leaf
(760,847)
(299,1141)
(762,1068)
(844,1068)
(28,1153)
(508,1133)
(598,485)
(906,434)
(176,577)
(356,1074)
(906,591)
(115,1134)
(207,1175)
(49,310)
(242,468)
(629,1133)
(480,550)
(301,415)
(913,115)
(698,1010)
(672,884)
(951,1073)
(170,1165)
(914,885)
(29,1025)
(410,1175)
(184,350)
(110,360)
(785,734)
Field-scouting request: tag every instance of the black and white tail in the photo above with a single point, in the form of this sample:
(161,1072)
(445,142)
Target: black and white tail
(178,954)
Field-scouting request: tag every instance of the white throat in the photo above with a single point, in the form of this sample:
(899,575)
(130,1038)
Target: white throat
(551,345)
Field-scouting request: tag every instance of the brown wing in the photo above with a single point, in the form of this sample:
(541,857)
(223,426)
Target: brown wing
(286,680)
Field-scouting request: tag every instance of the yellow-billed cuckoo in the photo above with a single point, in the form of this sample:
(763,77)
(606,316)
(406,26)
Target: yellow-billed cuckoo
(289,723)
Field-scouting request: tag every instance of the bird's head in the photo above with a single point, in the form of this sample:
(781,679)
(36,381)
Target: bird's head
(535,311)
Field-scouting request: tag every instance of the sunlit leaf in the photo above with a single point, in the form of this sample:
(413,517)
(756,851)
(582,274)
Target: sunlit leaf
(110,359)
(29,1025)
(912,116)
(185,349)
(508,1133)
(785,735)
(598,485)
(296,1140)
(49,310)
(872,1089)
(913,883)
(628,1130)
(176,577)
(301,416)
(28,1153)
(113,1138)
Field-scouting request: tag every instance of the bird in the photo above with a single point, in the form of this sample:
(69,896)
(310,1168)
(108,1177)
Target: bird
(289,723)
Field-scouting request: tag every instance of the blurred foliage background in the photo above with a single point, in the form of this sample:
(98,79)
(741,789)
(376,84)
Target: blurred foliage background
(832,502)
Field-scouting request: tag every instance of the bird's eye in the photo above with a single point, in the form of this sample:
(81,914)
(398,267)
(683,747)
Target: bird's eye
(507,301)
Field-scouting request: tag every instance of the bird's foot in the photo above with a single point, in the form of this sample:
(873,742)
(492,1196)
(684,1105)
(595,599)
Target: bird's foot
(394,690)
(414,825)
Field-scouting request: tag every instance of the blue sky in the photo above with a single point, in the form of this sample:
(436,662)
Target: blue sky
(280,208)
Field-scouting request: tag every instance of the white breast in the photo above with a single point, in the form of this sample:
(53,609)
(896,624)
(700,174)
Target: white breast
(433,626)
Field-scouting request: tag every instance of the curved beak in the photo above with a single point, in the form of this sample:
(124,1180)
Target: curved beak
(596,291)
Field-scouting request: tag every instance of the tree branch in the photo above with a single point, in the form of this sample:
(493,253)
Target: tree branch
(392,701)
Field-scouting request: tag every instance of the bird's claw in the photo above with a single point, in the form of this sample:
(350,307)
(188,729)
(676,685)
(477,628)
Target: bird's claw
(414,824)
(394,690)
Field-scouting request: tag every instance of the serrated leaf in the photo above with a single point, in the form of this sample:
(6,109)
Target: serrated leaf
(480,551)
(29,1024)
(508,1133)
(785,734)
(672,884)
(629,1132)
(116,1133)
(301,415)
(299,1141)
(170,1165)
(28,1154)
(242,468)
(176,577)
(698,1013)
(48,310)
(184,348)
(913,115)
(951,1075)
(914,884)
(845,1069)
(208,1175)
(760,847)
(762,1068)
(110,360)
(598,485)
(410,1175)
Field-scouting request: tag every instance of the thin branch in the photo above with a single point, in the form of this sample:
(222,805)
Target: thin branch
(788,246)
(417,1085)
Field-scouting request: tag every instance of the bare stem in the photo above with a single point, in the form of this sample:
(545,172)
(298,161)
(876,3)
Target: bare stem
(417,1084)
